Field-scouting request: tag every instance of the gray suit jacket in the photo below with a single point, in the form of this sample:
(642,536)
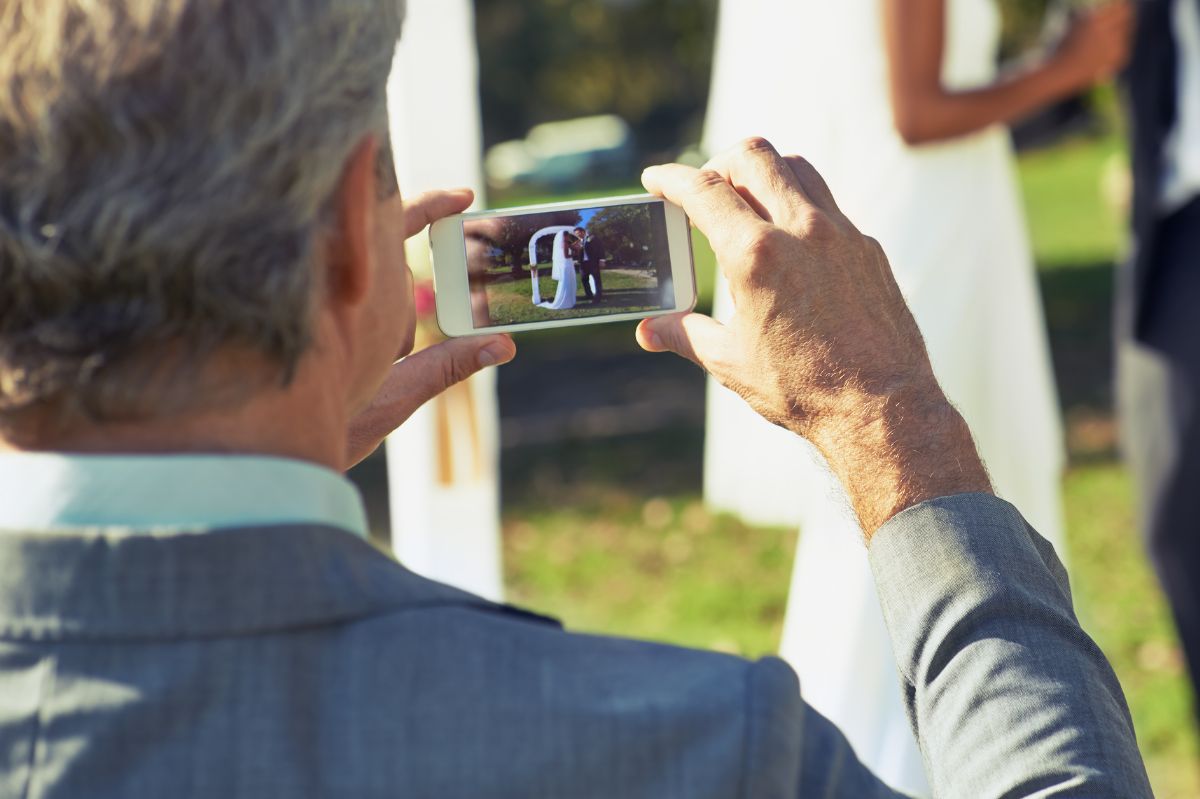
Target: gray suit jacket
(297,662)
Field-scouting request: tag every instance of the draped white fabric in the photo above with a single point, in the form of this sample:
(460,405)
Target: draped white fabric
(443,464)
(562,269)
(950,219)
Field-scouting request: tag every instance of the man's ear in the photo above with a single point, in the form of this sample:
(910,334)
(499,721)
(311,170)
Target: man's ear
(349,257)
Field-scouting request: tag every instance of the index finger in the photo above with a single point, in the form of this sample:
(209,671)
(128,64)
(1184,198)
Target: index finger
(714,206)
(763,178)
(427,208)
(815,187)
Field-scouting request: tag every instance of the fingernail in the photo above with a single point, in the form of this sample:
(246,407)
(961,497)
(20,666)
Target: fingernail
(654,341)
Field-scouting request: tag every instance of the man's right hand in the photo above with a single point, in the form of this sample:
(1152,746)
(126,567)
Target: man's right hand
(821,341)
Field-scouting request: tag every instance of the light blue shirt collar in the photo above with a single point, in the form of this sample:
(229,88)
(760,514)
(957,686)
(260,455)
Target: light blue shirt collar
(172,493)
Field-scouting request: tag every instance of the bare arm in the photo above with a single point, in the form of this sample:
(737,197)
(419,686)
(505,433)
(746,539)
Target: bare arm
(926,111)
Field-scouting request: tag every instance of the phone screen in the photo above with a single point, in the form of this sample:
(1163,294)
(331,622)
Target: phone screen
(561,264)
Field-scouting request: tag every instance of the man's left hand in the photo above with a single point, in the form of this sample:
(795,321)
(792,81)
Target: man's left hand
(420,377)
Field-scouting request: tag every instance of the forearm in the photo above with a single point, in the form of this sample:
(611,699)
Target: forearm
(894,451)
(935,113)
(974,598)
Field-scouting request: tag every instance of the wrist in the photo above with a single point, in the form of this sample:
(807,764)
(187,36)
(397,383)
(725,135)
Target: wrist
(894,451)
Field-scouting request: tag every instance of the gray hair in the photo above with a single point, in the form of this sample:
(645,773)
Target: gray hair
(165,169)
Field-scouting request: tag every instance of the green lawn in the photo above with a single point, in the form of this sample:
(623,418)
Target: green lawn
(618,541)
(1120,604)
(615,548)
(1077,235)
(1070,220)
(510,299)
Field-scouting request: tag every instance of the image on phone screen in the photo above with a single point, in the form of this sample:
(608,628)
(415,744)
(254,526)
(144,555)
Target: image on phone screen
(552,265)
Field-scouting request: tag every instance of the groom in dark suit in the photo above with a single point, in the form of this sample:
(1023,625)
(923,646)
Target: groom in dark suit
(1159,304)
(591,261)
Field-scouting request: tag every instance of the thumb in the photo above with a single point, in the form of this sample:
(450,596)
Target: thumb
(419,378)
(425,374)
(699,338)
(427,208)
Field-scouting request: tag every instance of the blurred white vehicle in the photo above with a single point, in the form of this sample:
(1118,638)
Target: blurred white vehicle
(560,155)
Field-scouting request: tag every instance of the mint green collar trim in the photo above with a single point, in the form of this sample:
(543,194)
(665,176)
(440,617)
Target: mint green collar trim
(172,493)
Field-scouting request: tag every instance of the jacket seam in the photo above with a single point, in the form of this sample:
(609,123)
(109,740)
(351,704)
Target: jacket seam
(747,722)
(40,723)
(24,635)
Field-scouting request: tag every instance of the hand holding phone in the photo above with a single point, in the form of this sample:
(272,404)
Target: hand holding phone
(561,264)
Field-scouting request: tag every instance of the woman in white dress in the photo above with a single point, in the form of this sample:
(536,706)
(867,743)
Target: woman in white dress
(564,273)
(563,249)
(899,104)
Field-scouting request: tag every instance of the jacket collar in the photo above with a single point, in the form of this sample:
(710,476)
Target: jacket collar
(110,585)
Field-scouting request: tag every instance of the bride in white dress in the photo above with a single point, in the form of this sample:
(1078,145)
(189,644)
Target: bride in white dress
(853,85)
(563,269)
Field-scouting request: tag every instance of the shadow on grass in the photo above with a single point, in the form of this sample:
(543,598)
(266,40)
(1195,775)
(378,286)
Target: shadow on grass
(1079,312)
(1079,318)
(584,474)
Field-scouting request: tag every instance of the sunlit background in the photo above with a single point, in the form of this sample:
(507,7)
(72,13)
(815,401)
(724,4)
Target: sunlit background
(603,522)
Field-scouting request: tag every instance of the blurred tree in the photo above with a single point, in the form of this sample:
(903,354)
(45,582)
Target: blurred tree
(513,237)
(1023,24)
(646,60)
(649,61)
(625,236)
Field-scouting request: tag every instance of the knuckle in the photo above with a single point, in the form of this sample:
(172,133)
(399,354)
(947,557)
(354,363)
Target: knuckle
(753,145)
(801,163)
(817,227)
(874,248)
(765,250)
(706,179)
(448,376)
(455,370)
(874,254)
(765,244)
(803,168)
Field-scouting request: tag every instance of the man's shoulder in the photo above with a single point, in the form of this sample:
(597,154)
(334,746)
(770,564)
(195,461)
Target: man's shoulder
(458,677)
(518,642)
(590,715)
(464,649)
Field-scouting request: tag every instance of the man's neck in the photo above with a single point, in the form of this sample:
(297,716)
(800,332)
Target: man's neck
(302,422)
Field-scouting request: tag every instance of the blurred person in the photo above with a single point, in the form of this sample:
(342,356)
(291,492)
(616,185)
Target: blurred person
(443,465)
(203,288)
(901,105)
(1159,349)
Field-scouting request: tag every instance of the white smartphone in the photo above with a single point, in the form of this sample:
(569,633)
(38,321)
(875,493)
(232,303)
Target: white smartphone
(560,264)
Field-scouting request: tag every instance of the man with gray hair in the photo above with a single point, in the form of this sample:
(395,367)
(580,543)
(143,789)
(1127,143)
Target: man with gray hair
(202,292)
